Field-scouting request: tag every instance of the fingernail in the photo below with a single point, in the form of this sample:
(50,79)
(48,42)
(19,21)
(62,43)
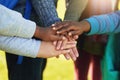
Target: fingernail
(63,38)
(53,28)
(74,58)
(75,42)
(53,25)
(57,32)
(69,34)
(57,48)
(77,55)
(53,42)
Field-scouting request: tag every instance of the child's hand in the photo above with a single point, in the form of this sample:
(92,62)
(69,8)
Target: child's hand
(73,54)
(47,49)
(48,34)
(72,28)
(73,51)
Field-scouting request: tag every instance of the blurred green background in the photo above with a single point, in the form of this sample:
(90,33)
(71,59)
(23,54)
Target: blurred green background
(59,69)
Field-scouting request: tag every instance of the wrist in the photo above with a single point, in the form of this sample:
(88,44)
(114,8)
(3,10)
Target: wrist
(37,33)
(86,26)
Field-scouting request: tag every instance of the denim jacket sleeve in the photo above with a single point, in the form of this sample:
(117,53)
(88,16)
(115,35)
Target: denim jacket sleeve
(20,46)
(13,24)
(108,23)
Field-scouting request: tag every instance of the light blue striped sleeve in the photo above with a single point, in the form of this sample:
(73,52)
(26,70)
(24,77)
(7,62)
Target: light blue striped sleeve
(13,24)
(20,46)
(108,23)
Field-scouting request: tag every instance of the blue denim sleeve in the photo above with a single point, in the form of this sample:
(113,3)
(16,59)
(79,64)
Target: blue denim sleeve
(108,23)
(46,11)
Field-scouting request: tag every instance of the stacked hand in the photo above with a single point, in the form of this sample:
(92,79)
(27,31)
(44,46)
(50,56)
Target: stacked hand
(63,36)
(71,30)
(73,54)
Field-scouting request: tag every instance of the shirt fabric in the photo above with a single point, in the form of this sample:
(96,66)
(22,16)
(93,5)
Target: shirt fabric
(44,14)
(110,24)
(13,24)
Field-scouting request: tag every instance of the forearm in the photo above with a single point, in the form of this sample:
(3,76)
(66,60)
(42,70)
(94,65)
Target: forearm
(108,23)
(13,24)
(75,9)
(20,46)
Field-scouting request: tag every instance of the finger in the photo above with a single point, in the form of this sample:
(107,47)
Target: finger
(67,56)
(55,24)
(54,43)
(72,55)
(64,29)
(64,51)
(72,42)
(75,37)
(58,26)
(56,37)
(64,43)
(58,46)
(63,37)
(70,33)
(69,38)
(53,28)
(68,45)
(75,51)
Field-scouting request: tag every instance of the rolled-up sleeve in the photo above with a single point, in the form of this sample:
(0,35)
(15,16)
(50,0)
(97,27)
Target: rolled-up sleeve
(20,46)
(13,24)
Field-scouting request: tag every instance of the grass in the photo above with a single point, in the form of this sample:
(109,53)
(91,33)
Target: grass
(3,68)
(59,69)
(56,69)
